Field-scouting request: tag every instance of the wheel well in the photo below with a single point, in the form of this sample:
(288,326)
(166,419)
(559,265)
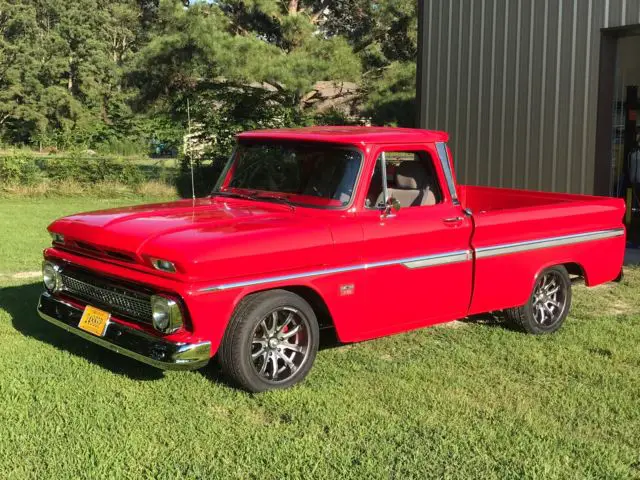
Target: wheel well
(313,298)
(575,270)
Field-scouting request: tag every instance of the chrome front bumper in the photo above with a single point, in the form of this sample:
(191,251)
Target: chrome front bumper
(128,341)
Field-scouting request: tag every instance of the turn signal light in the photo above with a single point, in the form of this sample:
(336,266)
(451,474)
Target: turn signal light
(163,265)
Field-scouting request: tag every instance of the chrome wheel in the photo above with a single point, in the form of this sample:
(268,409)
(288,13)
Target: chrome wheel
(280,344)
(549,299)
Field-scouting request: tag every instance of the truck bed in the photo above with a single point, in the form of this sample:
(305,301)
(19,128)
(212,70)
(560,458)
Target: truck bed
(518,231)
(488,199)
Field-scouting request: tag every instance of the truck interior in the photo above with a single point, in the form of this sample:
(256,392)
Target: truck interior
(411,180)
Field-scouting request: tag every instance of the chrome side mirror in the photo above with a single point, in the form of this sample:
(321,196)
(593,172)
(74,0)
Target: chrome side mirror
(391,206)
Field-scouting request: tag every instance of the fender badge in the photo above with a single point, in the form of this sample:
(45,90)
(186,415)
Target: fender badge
(348,289)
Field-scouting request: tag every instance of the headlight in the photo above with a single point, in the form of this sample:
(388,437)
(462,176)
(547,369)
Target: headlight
(51,276)
(57,237)
(166,313)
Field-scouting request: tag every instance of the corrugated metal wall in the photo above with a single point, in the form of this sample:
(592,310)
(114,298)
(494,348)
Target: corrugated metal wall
(515,83)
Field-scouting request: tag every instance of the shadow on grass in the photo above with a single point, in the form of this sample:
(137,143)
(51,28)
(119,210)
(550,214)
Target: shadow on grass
(491,319)
(20,303)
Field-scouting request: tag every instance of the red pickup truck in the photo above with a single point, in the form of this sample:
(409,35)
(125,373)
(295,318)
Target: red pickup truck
(359,229)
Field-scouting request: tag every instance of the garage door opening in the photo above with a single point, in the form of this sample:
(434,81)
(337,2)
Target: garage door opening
(625,119)
(618,150)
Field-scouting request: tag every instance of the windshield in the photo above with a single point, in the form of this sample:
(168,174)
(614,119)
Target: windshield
(310,175)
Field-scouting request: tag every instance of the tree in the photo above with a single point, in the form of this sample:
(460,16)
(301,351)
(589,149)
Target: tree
(233,60)
(93,72)
(19,83)
(243,42)
(384,35)
(61,67)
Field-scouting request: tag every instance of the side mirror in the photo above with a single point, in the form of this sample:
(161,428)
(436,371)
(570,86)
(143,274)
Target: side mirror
(392,205)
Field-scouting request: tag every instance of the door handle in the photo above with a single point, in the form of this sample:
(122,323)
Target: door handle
(453,220)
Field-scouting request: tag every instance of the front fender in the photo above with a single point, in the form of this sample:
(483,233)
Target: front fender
(211,310)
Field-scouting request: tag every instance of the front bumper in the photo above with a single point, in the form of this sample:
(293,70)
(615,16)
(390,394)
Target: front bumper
(128,341)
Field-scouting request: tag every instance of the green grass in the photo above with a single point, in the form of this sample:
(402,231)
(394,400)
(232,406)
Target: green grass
(472,400)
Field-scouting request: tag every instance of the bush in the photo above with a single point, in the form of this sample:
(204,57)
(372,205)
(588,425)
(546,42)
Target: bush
(125,147)
(18,169)
(93,169)
(130,174)
(72,167)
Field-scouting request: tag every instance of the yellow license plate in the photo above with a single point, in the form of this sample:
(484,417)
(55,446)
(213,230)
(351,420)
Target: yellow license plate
(94,320)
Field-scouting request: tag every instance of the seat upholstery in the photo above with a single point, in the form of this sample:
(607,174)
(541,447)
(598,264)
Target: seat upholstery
(412,186)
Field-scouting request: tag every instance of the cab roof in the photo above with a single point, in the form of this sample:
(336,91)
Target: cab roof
(349,135)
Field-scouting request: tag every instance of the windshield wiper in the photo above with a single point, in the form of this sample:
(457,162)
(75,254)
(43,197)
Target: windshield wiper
(246,196)
(284,200)
(222,193)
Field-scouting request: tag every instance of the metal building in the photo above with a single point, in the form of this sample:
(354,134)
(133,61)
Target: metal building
(527,88)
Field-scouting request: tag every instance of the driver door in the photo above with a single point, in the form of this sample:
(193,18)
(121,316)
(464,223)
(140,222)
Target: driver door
(419,267)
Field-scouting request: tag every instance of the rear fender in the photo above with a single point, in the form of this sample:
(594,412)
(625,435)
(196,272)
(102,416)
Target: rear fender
(506,281)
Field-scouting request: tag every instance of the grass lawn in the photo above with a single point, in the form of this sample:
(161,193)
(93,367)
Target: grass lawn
(471,400)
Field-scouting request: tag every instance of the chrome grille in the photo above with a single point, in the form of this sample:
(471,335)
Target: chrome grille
(116,300)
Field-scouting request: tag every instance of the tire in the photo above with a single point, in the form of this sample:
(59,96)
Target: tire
(539,315)
(260,351)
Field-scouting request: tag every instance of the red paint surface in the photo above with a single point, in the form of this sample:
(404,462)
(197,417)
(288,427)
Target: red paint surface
(349,135)
(224,240)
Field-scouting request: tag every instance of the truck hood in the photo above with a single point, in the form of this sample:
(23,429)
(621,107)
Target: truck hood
(207,239)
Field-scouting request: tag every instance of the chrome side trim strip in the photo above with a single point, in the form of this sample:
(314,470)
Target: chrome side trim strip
(432,260)
(429,262)
(280,278)
(508,248)
(412,262)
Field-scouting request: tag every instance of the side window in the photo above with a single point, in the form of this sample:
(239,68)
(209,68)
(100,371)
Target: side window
(446,166)
(410,179)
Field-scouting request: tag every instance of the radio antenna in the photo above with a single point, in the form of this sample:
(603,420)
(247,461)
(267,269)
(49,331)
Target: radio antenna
(193,188)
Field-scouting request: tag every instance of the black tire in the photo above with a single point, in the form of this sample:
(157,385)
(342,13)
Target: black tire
(528,317)
(249,331)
